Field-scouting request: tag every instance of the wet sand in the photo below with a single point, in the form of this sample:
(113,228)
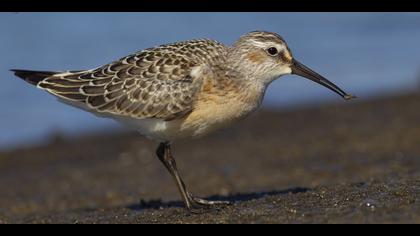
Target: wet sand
(354,162)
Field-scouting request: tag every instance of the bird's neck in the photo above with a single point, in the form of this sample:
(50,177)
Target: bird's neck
(252,93)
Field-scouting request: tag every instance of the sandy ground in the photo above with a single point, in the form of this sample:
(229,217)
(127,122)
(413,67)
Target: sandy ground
(348,163)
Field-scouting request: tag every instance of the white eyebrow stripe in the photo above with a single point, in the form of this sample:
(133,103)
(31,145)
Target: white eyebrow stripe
(265,45)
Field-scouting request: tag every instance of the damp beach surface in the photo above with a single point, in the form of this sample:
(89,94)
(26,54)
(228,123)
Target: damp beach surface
(355,162)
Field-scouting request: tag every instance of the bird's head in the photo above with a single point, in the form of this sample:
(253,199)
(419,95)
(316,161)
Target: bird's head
(265,56)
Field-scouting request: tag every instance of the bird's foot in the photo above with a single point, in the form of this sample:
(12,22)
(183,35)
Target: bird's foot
(199,205)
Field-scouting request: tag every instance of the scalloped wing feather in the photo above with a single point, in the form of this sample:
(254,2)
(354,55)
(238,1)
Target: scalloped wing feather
(160,82)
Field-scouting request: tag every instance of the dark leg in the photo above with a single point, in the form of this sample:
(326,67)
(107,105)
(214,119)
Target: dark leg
(165,156)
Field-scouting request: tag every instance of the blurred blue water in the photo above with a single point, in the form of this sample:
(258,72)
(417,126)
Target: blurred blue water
(365,53)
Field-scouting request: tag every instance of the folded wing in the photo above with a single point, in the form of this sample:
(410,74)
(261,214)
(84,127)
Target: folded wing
(153,83)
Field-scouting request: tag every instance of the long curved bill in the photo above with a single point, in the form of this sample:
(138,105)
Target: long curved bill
(301,70)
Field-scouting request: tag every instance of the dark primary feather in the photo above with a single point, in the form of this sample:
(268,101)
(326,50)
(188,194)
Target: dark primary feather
(32,77)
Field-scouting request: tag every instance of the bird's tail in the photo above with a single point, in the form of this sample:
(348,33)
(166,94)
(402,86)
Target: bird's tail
(33,77)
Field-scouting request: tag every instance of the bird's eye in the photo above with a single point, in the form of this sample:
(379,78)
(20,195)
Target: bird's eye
(272,51)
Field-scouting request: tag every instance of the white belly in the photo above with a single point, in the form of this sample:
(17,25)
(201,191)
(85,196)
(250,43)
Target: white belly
(155,129)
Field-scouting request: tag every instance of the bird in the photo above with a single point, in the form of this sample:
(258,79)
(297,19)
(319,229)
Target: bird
(181,90)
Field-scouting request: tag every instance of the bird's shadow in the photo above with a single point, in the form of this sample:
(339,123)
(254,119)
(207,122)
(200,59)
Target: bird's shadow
(235,198)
